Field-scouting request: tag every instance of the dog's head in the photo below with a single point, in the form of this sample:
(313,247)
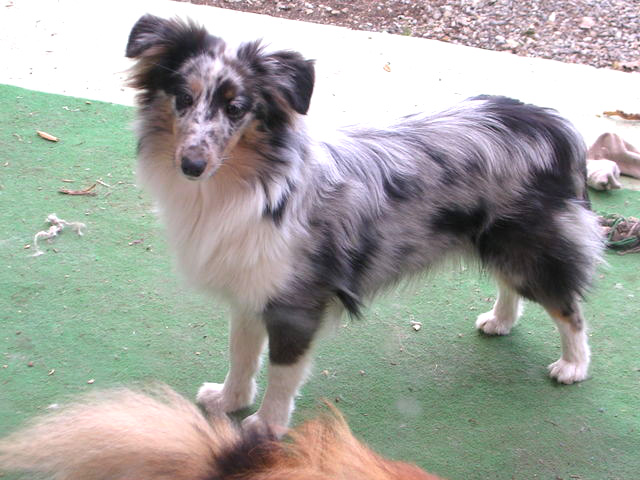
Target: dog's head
(212,96)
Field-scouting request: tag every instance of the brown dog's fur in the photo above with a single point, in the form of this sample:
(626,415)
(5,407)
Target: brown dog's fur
(129,435)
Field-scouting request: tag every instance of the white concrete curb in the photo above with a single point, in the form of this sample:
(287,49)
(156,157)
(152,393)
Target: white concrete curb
(76,47)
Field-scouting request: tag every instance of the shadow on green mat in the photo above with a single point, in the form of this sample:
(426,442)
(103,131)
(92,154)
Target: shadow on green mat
(107,309)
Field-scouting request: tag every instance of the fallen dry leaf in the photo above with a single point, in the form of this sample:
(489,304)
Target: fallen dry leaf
(621,114)
(86,191)
(51,372)
(47,136)
(91,381)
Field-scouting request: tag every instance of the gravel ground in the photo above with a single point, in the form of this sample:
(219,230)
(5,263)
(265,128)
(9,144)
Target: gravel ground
(600,33)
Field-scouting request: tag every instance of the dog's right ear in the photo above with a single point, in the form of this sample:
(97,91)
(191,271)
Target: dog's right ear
(145,34)
(161,47)
(153,36)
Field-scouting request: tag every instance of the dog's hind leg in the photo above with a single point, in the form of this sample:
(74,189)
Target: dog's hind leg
(503,315)
(550,260)
(574,362)
(571,271)
(246,342)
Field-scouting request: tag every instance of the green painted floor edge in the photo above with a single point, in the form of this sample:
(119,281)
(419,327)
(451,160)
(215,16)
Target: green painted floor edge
(109,307)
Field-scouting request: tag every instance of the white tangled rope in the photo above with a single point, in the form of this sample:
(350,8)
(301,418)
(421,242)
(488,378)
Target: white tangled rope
(57,225)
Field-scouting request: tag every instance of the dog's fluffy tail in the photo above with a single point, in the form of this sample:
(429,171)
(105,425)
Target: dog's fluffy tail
(121,434)
(158,435)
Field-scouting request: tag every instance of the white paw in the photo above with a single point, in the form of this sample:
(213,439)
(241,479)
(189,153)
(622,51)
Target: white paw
(491,324)
(215,398)
(568,372)
(257,424)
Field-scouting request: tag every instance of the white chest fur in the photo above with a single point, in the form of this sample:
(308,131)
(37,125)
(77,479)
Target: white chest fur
(222,241)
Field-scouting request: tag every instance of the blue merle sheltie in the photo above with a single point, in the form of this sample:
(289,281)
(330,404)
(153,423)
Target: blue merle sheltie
(292,229)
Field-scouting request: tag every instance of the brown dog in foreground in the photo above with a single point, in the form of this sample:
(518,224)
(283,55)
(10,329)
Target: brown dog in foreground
(159,435)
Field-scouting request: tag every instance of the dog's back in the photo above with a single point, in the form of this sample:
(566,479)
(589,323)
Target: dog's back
(491,178)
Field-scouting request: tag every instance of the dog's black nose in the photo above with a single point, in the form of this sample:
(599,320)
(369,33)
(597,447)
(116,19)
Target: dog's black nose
(193,167)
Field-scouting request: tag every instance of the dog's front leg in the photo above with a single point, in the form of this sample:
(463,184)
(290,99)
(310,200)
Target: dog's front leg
(246,342)
(291,331)
(283,382)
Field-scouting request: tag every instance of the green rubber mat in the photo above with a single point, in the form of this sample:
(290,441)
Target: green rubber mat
(107,309)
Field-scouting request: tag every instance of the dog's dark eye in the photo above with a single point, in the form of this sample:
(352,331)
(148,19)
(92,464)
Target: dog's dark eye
(236,110)
(183,100)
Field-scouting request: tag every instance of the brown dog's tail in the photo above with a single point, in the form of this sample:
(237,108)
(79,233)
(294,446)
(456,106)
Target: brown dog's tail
(121,434)
(158,435)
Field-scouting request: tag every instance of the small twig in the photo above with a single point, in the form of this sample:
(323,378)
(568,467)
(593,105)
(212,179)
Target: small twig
(86,191)
(624,115)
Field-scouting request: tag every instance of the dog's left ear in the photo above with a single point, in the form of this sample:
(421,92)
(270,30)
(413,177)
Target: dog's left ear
(285,74)
(296,77)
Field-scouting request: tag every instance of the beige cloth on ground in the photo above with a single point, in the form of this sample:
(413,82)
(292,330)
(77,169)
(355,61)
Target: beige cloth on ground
(609,157)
